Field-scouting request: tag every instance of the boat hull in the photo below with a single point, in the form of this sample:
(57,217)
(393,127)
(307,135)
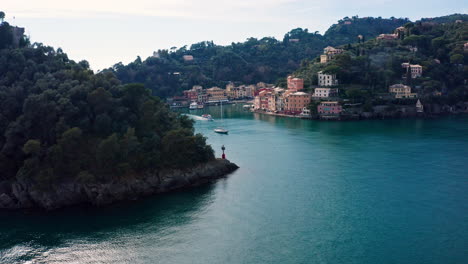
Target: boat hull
(221,131)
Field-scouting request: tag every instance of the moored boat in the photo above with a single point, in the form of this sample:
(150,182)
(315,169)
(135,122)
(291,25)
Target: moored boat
(193,106)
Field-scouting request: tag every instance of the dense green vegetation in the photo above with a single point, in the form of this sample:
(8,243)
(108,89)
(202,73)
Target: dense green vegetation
(60,121)
(252,61)
(367,68)
(348,29)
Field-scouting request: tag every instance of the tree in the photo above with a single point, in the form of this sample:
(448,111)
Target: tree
(32,147)
(313,107)
(457,59)
(2,15)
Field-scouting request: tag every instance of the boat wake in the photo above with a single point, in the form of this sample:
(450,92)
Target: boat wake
(196,118)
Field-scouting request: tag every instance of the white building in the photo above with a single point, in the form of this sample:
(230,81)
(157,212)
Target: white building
(325,92)
(327,79)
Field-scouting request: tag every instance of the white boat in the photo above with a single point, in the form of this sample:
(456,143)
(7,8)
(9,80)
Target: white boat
(200,106)
(221,130)
(193,105)
(207,117)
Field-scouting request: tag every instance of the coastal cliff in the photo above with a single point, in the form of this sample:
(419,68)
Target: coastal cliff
(23,195)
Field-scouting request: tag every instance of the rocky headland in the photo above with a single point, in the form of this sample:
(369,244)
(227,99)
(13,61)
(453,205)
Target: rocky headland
(24,195)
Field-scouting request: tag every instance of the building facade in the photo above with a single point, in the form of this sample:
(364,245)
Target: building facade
(327,79)
(329,108)
(325,92)
(295,84)
(328,53)
(323,58)
(295,102)
(216,94)
(401,91)
(387,37)
(415,69)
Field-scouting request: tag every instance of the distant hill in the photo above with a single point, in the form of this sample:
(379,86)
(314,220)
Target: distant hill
(252,61)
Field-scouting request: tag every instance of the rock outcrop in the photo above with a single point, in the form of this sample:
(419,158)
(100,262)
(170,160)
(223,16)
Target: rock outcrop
(17,195)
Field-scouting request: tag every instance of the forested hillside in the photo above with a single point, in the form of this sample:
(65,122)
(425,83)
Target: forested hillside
(348,29)
(368,68)
(61,122)
(252,61)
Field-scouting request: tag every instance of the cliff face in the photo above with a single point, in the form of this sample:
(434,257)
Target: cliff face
(16,195)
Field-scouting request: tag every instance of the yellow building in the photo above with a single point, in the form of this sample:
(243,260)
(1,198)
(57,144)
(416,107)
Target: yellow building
(401,91)
(216,94)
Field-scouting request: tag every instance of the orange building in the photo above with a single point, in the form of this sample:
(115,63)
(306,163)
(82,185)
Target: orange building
(295,102)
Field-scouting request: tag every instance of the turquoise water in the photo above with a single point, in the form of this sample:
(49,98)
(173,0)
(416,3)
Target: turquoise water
(392,191)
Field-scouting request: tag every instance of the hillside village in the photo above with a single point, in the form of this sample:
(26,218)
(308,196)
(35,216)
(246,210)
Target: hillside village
(316,91)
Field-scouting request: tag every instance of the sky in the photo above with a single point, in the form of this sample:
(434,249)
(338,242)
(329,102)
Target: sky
(105,32)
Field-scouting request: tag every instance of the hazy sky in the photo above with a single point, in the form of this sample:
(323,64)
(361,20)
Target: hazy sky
(105,32)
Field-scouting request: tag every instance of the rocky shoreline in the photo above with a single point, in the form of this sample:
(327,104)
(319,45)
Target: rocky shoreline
(19,195)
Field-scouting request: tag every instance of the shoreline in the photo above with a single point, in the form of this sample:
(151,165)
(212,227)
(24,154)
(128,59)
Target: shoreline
(360,117)
(16,195)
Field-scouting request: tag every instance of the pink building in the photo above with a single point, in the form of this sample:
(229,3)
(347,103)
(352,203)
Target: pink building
(261,100)
(329,108)
(295,84)
(192,95)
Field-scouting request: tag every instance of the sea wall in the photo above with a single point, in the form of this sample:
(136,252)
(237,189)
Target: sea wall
(17,195)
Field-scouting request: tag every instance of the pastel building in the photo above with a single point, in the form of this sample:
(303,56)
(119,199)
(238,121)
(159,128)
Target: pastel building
(414,69)
(329,108)
(216,94)
(332,51)
(387,36)
(261,101)
(401,91)
(328,54)
(295,102)
(193,94)
(327,79)
(323,58)
(325,92)
(295,84)
(240,92)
